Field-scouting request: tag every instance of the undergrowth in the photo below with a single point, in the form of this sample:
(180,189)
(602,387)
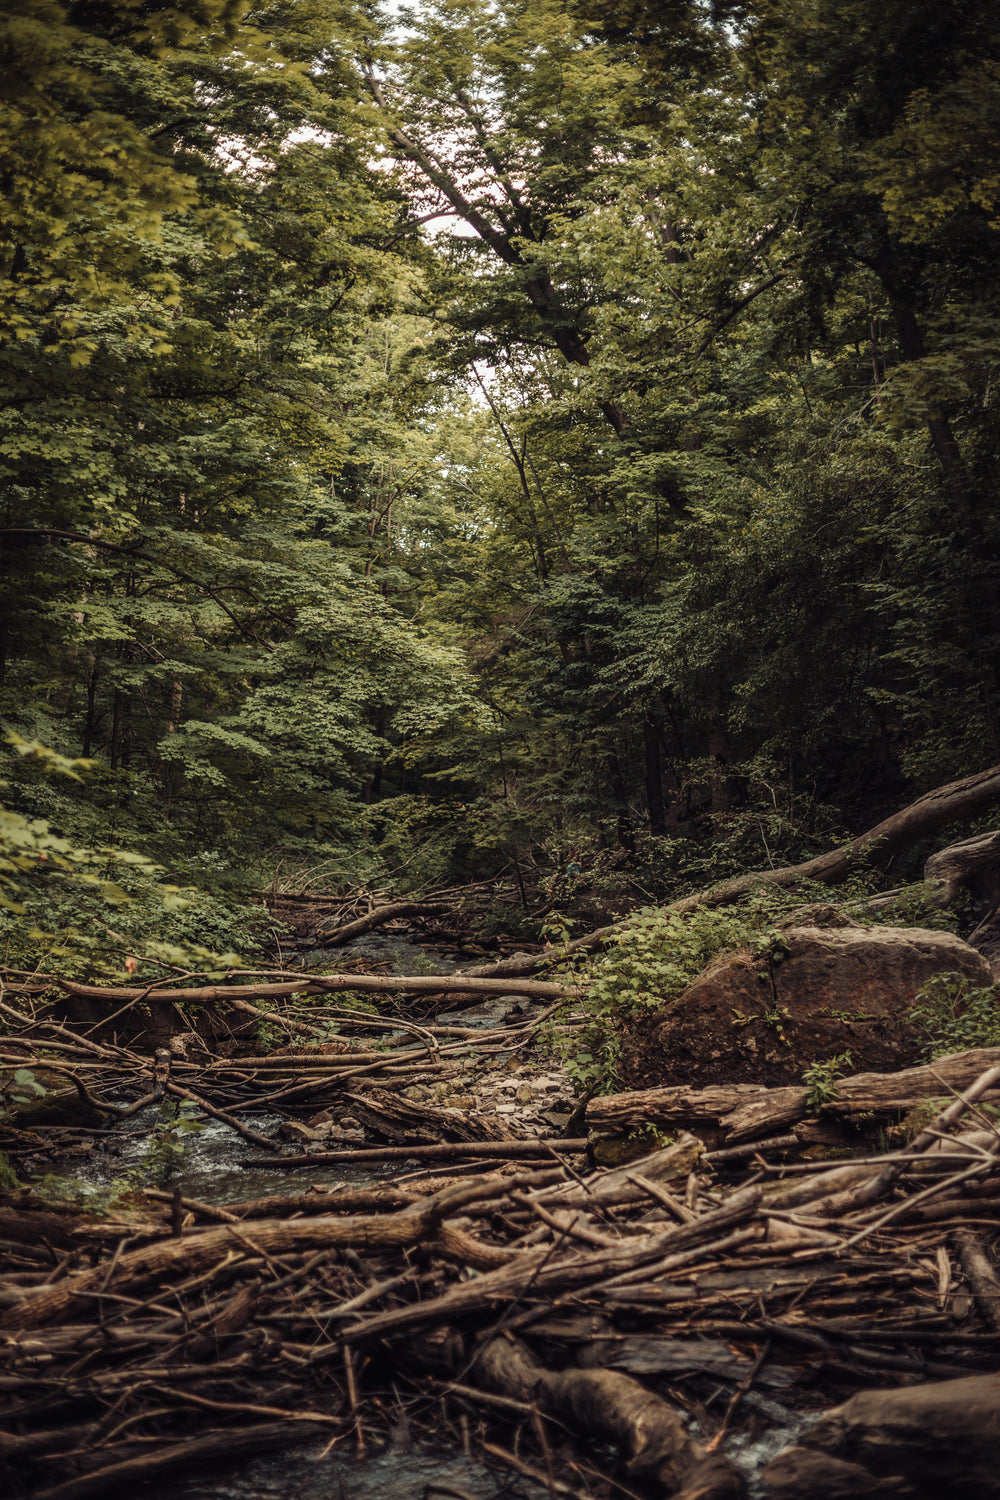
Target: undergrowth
(956,1016)
(657,953)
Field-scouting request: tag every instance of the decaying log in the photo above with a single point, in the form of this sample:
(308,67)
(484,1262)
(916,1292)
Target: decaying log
(982,1276)
(972,865)
(425,1124)
(744,1111)
(624,1185)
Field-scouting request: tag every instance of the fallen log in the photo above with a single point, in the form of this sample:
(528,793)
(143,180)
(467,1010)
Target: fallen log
(377,918)
(981,1275)
(872,850)
(742,1111)
(325,984)
(619,1409)
(450,1150)
(397,1120)
(224,1444)
(194,1252)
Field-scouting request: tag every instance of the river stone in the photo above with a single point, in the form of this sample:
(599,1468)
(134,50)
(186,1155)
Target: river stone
(942,1438)
(835,989)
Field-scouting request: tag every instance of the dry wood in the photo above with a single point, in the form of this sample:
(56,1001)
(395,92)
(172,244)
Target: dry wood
(377,918)
(425,1124)
(743,1111)
(453,1150)
(325,984)
(981,1275)
(650,1432)
(225,1444)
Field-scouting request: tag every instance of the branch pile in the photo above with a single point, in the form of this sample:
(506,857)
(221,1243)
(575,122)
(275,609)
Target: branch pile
(545,1305)
(357,1067)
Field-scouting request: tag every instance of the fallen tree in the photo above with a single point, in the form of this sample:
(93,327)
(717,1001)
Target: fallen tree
(745,1111)
(876,849)
(320,984)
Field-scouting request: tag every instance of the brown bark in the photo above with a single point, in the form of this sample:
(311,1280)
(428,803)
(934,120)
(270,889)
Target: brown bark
(981,1275)
(654,779)
(745,1110)
(939,428)
(225,1445)
(447,1151)
(377,918)
(196,1252)
(972,865)
(605,1402)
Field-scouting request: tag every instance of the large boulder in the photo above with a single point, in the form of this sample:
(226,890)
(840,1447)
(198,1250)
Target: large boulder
(941,1439)
(826,990)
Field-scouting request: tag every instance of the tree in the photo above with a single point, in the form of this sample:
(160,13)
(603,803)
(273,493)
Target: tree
(190,593)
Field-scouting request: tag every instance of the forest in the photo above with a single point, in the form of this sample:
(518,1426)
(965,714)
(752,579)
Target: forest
(518,476)
(542,438)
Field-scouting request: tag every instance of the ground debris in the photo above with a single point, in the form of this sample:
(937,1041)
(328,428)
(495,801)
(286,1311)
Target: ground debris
(555,1305)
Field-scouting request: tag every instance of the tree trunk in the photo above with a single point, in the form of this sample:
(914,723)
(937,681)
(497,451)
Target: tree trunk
(654,779)
(911,342)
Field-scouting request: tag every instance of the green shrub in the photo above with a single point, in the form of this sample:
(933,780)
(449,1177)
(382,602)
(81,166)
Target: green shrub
(956,1016)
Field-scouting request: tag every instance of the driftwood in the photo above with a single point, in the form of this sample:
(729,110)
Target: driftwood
(875,849)
(972,865)
(124,1342)
(452,1151)
(744,1111)
(604,1402)
(320,984)
(424,1124)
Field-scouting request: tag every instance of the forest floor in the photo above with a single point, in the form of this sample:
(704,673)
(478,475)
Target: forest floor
(406,1220)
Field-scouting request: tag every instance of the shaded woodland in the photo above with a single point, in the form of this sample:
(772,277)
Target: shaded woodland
(516,480)
(514,439)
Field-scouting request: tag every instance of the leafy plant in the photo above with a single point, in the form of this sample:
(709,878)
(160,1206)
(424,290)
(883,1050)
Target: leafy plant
(955,1016)
(820,1079)
(654,957)
(22,1087)
(169,1142)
